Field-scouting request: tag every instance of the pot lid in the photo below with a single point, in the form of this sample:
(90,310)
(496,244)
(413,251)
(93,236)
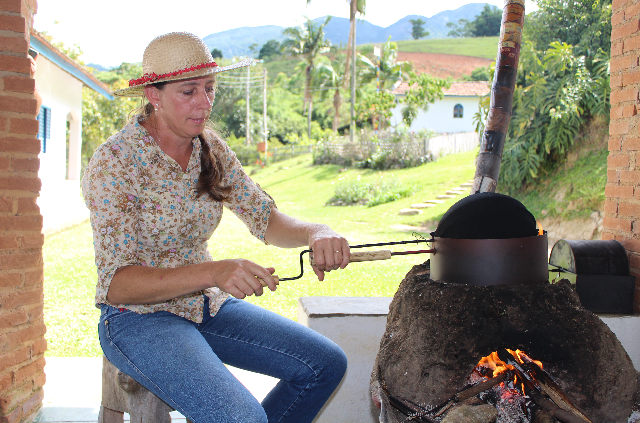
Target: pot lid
(487,215)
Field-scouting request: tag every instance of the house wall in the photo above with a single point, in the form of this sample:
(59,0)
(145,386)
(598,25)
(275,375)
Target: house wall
(440,118)
(22,328)
(622,204)
(62,93)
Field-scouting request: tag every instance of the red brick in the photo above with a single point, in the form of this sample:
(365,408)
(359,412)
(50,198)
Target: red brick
(25,126)
(30,370)
(619,127)
(14,44)
(632,11)
(606,236)
(629,176)
(634,261)
(626,209)
(16,318)
(14,358)
(22,145)
(32,405)
(15,64)
(609,191)
(21,223)
(630,78)
(35,277)
(12,23)
(10,280)
(28,333)
(615,81)
(613,176)
(40,380)
(631,27)
(631,44)
(617,49)
(9,242)
(30,242)
(36,313)
(629,110)
(617,224)
(10,5)
(624,95)
(615,143)
(6,204)
(16,397)
(32,184)
(38,347)
(619,3)
(21,298)
(5,162)
(616,112)
(4,124)
(14,416)
(21,260)
(6,380)
(610,207)
(19,84)
(617,19)
(618,160)
(631,245)
(30,165)
(18,105)
(28,205)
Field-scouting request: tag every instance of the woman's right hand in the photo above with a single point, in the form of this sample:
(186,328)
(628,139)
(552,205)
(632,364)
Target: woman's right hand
(241,278)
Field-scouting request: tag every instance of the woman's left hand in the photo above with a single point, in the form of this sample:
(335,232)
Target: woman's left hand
(330,250)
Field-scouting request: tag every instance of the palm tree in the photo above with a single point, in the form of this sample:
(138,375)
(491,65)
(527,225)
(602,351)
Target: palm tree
(355,6)
(308,41)
(332,73)
(391,71)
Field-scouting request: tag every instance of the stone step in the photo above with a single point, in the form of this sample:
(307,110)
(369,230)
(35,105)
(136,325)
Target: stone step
(434,201)
(453,192)
(422,205)
(409,212)
(442,197)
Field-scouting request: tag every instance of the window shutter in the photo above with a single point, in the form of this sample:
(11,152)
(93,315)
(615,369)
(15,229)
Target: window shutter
(44,127)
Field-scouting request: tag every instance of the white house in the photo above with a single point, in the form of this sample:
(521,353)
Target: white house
(454,113)
(60,80)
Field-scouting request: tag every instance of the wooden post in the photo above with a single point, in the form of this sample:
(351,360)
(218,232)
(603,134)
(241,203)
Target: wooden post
(504,81)
(248,120)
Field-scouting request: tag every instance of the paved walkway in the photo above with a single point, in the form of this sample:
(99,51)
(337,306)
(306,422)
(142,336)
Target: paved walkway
(72,392)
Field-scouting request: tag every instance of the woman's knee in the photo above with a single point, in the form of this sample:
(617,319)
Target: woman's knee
(334,364)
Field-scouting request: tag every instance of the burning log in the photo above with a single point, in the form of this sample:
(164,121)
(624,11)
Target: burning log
(559,405)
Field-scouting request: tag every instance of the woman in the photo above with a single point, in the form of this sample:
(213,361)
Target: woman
(170,315)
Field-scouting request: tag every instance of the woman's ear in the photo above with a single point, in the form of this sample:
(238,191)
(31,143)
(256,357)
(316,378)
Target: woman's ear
(152,94)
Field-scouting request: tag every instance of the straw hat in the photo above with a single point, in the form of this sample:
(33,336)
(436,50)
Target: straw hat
(174,56)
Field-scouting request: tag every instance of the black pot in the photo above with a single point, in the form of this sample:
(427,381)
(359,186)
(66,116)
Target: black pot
(489,239)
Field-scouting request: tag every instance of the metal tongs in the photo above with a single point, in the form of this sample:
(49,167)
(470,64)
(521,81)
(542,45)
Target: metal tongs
(365,255)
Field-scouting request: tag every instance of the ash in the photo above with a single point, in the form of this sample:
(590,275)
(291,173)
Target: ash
(508,401)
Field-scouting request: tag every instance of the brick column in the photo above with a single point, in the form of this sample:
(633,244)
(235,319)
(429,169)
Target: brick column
(622,205)
(22,328)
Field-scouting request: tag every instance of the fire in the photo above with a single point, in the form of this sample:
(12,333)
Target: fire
(540,230)
(491,365)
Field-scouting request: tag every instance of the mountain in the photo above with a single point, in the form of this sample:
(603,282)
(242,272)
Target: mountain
(236,42)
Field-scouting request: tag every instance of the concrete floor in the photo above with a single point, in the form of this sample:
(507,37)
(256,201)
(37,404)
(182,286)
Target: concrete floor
(72,392)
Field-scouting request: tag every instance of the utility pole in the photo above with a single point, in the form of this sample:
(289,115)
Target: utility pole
(352,126)
(264,116)
(248,123)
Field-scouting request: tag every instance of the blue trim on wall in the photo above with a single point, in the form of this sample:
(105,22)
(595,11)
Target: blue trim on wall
(55,58)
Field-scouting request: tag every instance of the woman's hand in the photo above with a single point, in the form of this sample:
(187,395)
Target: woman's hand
(241,278)
(330,250)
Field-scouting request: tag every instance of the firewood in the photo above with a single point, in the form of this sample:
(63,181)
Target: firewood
(471,392)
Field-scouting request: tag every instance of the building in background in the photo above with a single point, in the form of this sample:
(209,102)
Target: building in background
(60,80)
(454,113)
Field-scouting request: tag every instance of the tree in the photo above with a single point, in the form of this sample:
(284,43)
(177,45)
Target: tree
(417,30)
(391,71)
(424,90)
(486,24)
(253,48)
(216,53)
(269,49)
(379,104)
(332,73)
(585,24)
(307,40)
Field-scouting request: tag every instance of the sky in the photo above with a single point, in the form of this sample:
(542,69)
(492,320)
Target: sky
(117,31)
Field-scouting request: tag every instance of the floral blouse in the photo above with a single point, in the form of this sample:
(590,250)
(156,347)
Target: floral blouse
(144,211)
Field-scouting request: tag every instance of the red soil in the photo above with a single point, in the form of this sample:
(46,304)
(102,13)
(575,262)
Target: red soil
(443,65)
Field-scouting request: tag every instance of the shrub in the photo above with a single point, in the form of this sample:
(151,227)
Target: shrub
(349,193)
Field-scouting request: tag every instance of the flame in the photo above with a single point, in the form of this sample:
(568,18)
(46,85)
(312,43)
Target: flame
(540,230)
(491,365)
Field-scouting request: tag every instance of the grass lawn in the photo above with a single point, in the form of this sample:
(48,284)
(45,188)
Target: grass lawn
(300,190)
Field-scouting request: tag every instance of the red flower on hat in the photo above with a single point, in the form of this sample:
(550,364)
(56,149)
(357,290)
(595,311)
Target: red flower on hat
(152,77)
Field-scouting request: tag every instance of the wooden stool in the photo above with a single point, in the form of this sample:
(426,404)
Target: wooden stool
(121,394)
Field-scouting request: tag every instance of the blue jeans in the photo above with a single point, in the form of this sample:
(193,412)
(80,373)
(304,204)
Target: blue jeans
(182,362)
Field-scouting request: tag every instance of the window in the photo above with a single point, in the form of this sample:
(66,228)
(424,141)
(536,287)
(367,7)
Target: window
(458,111)
(44,130)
